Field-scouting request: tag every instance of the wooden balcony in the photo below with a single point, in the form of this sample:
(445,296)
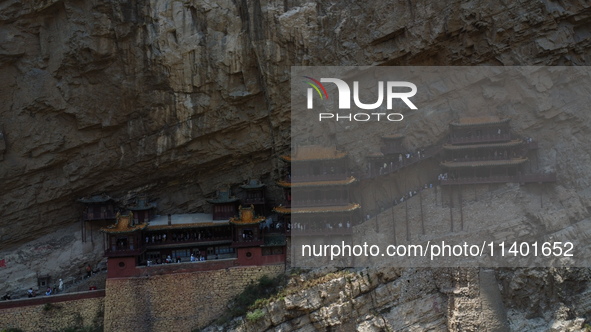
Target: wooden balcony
(318,177)
(322,232)
(89,216)
(477,159)
(396,164)
(124,251)
(170,241)
(319,202)
(248,243)
(255,201)
(525,178)
(480,139)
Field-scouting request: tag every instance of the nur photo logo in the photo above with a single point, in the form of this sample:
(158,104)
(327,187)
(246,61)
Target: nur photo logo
(388,91)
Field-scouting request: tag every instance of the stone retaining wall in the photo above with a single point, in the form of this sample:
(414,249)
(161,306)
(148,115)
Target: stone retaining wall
(176,302)
(53,313)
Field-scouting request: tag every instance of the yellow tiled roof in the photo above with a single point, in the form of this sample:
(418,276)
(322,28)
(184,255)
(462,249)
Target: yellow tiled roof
(123,225)
(502,162)
(287,184)
(314,152)
(485,145)
(246,217)
(189,225)
(393,136)
(471,121)
(318,209)
(375,154)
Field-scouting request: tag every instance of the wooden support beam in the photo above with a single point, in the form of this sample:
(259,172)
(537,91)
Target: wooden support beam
(422,219)
(451,214)
(461,210)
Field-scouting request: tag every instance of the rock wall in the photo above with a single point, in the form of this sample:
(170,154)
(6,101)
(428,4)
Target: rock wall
(179,97)
(450,299)
(58,313)
(176,302)
(60,254)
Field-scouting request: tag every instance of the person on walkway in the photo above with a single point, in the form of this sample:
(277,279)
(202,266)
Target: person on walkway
(48,291)
(88,271)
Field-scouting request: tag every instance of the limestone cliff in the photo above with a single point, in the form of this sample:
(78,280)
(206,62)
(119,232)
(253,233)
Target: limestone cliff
(392,299)
(176,98)
(180,97)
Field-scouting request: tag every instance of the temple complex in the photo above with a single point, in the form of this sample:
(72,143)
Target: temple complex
(392,156)
(98,207)
(483,150)
(317,192)
(232,234)
(99,210)
(223,205)
(254,193)
(142,210)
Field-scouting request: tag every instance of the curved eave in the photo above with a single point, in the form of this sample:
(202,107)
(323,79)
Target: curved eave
(393,137)
(250,222)
(337,156)
(468,164)
(343,182)
(482,146)
(116,230)
(222,201)
(375,155)
(317,209)
(95,199)
(141,208)
(478,122)
(186,226)
(250,186)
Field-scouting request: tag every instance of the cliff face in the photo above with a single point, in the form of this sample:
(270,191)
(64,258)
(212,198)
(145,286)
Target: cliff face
(179,97)
(426,300)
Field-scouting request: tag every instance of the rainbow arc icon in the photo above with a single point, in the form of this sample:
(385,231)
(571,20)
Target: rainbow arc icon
(317,86)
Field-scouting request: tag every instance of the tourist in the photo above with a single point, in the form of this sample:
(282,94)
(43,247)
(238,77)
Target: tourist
(88,271)
(61,285)
(30,292)
(48,291)
(192,258)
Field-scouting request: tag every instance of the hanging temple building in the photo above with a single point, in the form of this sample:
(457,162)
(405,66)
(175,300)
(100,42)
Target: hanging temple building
(317,201)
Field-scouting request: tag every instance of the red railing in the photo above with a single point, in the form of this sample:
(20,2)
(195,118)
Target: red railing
(258,200)
(247,243)
(322,232)
(98,216)
(526,178)
(121,252)
(318,177)
(169,240)
(40,299)
(480,139)
(319,202)
(397,164)
(477,159)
